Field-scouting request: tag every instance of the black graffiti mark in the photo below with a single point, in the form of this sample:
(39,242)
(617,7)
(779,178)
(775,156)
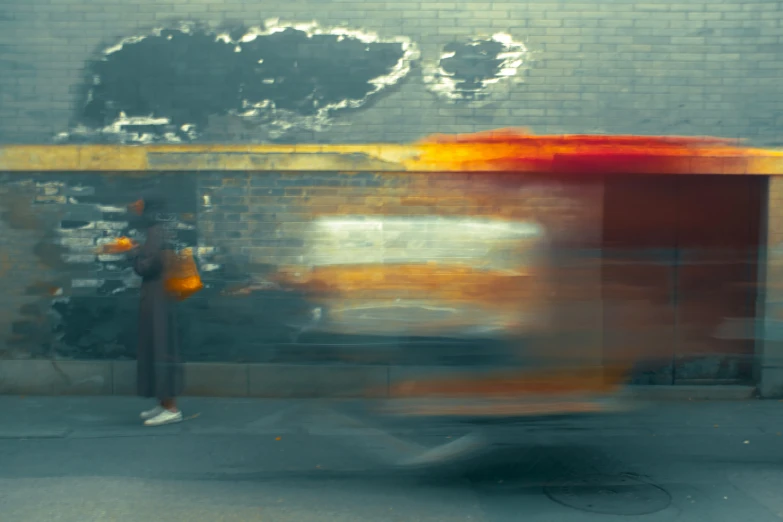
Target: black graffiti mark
(188,76)
(470,65)
(477,69)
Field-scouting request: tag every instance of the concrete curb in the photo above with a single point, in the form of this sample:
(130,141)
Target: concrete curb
(694,392)
(48,377)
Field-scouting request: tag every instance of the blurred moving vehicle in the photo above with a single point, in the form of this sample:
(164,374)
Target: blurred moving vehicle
(530,312)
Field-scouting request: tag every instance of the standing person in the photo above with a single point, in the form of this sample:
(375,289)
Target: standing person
(160,371)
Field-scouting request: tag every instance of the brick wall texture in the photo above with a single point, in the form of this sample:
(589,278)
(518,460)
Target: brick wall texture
(437,268)
(271,244)
(60,298)
(312,266)
(609,66)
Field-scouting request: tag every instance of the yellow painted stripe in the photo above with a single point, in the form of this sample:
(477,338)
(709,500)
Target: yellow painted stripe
(78,158)
(343,158)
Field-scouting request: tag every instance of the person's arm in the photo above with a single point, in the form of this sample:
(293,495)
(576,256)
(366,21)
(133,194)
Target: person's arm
(149,257)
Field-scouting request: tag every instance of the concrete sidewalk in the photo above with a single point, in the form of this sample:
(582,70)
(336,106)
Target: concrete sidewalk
(87,417)
(77,459)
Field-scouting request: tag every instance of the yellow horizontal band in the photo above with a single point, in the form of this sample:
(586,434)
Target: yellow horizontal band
(540,154)
(81,158)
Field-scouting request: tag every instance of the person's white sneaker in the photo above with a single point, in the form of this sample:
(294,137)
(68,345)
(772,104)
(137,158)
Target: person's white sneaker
(164,417)
(154,412)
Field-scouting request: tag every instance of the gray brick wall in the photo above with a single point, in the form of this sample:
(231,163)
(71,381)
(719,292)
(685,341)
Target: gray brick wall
(60,299)
(608,66)
(373,254)
(25,281)
(328,230)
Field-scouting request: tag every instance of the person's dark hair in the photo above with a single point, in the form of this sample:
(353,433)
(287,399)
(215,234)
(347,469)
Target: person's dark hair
(153,205)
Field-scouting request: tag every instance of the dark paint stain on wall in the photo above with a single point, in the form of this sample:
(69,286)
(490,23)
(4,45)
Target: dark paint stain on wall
(471,64)
(166,86)
(78,304)
(95,328)
(468,71)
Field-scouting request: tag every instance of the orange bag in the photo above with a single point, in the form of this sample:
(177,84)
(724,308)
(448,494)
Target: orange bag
(182,277)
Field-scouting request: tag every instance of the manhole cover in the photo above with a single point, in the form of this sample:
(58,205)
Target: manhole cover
(610,495)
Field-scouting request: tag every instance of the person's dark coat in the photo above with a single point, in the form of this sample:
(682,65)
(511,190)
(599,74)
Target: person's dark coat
(160,370)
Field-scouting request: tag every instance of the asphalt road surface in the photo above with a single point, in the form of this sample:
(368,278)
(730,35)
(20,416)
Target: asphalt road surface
(89,459)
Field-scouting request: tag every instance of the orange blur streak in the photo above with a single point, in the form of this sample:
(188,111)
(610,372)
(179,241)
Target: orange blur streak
(506,409)
(514,150)
(454,283)
(602,380)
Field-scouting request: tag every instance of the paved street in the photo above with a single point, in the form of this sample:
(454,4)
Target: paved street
(89,459)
